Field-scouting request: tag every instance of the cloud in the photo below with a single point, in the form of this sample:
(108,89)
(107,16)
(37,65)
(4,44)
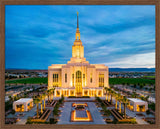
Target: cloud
(134,61)
(38,36)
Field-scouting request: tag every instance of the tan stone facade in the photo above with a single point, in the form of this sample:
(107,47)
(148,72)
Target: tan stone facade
(78,77)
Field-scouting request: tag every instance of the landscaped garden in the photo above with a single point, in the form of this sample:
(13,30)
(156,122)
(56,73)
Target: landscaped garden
(111,81)
(117,113)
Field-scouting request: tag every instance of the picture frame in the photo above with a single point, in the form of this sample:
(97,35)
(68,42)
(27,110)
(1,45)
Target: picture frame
(77,2)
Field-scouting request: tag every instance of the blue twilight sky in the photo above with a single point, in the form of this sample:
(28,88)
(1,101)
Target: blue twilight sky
(119,36)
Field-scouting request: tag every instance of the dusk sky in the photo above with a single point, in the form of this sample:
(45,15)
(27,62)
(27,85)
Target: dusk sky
(117,36)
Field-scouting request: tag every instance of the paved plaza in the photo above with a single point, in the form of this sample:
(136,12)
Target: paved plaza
(67,108)
(23,119)
(66,114)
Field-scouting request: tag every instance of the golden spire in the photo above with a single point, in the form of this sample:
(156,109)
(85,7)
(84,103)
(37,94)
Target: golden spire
(77,20)
(77,31)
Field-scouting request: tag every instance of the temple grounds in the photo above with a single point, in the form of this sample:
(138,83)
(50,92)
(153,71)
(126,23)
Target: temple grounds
(66,114)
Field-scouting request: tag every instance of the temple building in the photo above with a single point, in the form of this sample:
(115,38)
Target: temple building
(78,77)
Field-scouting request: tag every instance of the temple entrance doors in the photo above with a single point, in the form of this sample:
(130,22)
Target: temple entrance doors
(78,83)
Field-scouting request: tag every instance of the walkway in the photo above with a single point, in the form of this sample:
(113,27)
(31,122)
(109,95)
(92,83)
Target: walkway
(66,114)
(30,113)
(133,114)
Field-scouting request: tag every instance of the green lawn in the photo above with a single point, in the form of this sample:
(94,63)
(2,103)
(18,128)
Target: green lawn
(28,81)
(149,76)
(111,81)
(130,81)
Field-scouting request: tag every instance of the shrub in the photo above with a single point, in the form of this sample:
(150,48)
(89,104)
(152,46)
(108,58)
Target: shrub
(148,112)
(133,121)
(13,112)
(52,121)
(152,106)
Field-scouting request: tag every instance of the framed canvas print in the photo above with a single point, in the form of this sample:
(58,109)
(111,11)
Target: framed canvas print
(79,64)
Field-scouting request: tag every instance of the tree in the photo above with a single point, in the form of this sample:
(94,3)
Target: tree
(109,91)
(124,101)
(146,98)
(44,99)
(48,94)
(117,96)
(52,92)
(10,98)
(112,94)
(148,112)
(141,86)
(134,95)
(36,101)
(120,101)
(135,85)
(41,99)
(106,89)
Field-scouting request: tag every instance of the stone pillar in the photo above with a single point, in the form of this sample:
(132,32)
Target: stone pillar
(82,92)
(69,92)
(55,93)
(88,92)
(25,107)
(91,92)
(134,107)
(60,93)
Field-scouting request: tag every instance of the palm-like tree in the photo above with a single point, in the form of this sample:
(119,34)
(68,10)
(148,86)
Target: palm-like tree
(120,101)
(52,92)
(134,95)
(48,94)
(106,93)
(36,101)
(44,100)
(116,98)
(11,98)
(124,101)
(112,94)
(109,93)
(41,99)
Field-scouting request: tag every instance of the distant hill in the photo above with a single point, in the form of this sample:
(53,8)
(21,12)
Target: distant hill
(110,70)
(131,69)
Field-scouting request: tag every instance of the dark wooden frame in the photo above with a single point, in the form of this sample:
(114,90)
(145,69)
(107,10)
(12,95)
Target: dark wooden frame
(77,2)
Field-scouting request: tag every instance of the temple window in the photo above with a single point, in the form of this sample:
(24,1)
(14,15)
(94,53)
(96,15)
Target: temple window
(101,80)
(55,79)
(91,78)
(84,79)
(65,78)
(72,79)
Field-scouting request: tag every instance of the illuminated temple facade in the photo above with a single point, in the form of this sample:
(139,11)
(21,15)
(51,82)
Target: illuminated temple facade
(78,77)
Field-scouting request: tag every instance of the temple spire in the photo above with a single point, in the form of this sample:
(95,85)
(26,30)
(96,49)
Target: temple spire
(77,21)
(77,31)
